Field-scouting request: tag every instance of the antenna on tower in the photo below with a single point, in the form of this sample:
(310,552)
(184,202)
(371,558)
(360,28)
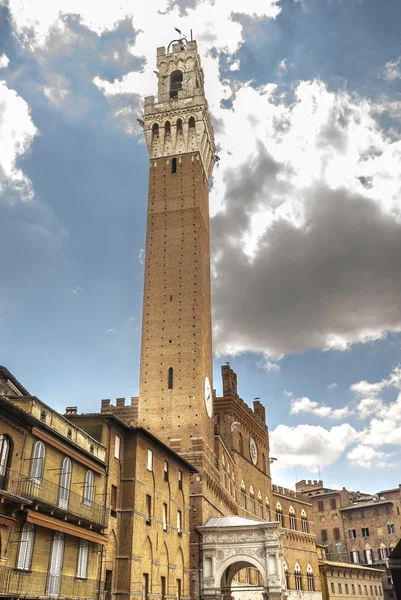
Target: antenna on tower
(318,469)
(182,40)
(191,36)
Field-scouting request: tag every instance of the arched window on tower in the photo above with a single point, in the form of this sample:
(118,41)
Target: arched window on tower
(243,495)
(252,501)
(179,126)
(297,577)
(167,129)
(170,378)
(155,130)
(291,514)
(287,576)
(309,578)
(279,513)
(5,452)
(260,505)
(175,83)
(304,521)
(174,165)
(263,463)
(191,122)
(240,444)
(267,504)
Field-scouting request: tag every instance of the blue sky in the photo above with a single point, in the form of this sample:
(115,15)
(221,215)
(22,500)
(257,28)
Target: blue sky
(305,206)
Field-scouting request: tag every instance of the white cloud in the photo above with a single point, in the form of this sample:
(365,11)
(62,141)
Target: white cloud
(4,61)
(310,446)
(391,70)
(76,290)
(111,330)
(57,89)
(332,386)
(305,405)
(367,457)
(141,256)
(17,132)
(267,365)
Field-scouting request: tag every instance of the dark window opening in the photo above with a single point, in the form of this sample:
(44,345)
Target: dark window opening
(170,378)
(191,122)
(175,83)
(174,165)
(167,128)
(155,130)
(179,126)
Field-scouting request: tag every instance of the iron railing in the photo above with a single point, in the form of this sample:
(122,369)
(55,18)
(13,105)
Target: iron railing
(52,494)
(33,584)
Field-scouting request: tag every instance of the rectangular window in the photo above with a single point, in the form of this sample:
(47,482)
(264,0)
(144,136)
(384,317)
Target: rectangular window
(352,533)
(333,589)
(179,479)
(324,535)
(148,509)
(145,586)
(113,501)
(355,556)
(353,589)
(369,557)
(117,443)
(165,469)
(164,517)
(376,590)
(163,587)
(338,548)
(178,589)
(371,590)
(320,506)
(382,553)
(179,522)
(333,504)
(359,589)
(365,587)
(150,460)
(340,589)
(346,588)
(336,533)
(391,528)
(365,531)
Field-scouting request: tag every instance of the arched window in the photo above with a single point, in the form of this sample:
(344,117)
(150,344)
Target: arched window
(260,505)
(291,514)
(167,129)
(4,459)
(88,489)
(65,483)
(243,495)
(240,444)
(304,521)
(179,126)
(309,578)
(191,122)
(252,497)
(82,564)
(297,577)
(26,547)
(174,165)
(279,513)
(56,565)
(155,130)
(223,463)
(267,504)
(38,462)
(263,463)
(175,83)
(170,378)
(287,576)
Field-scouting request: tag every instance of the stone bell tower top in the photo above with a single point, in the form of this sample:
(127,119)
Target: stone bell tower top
(179,121)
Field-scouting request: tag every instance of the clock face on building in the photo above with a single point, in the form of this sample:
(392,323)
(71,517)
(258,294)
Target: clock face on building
(208,398)
(253,451)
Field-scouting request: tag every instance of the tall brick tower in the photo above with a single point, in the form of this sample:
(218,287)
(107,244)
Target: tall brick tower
(175,396)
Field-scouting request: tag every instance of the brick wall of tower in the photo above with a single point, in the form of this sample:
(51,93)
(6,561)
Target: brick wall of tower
(176,329)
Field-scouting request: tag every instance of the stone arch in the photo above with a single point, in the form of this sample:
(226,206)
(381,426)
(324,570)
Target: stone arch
(147,559)
(232,565)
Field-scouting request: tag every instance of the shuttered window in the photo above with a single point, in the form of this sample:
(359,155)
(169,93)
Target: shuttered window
(82,565)
(56,565)
(88,489)
(26,547)
(65,483)
(38,462)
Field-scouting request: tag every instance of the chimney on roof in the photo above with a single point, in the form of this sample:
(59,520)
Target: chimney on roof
(71,410)
(105,405)
(120,402)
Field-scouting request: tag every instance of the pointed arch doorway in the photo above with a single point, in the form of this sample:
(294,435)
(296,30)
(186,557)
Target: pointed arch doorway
(230,544)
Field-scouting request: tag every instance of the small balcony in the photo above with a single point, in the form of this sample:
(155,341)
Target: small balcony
(32,584)
(51,496)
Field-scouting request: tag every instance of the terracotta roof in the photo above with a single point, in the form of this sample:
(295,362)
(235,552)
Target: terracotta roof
(367,503)
(5,374)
